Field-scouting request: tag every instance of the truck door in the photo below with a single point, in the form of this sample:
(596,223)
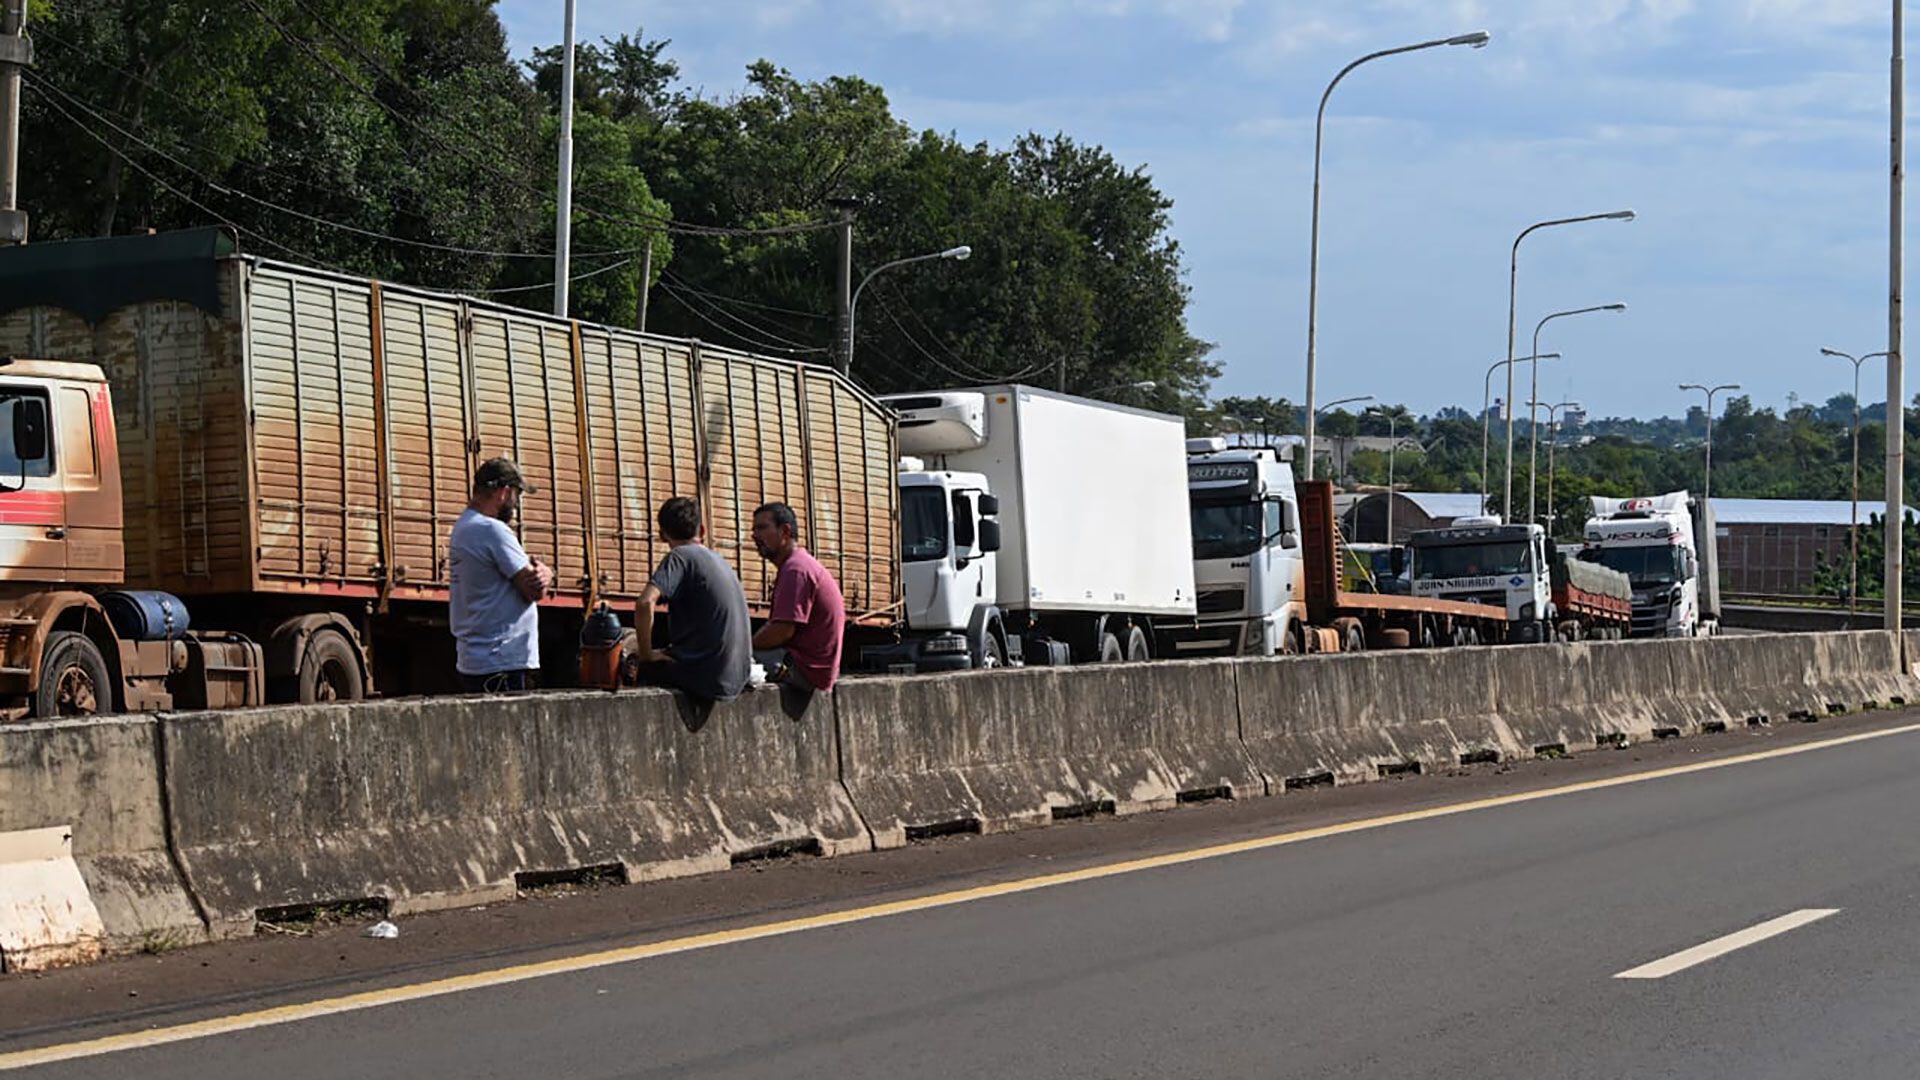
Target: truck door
(90,480)
(33,507)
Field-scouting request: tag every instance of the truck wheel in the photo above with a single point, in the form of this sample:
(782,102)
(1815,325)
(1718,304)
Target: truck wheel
(73,678)
(1110,650)
(329,670)
(1354,640)
(1137,648)
(1290,641)
(995,654)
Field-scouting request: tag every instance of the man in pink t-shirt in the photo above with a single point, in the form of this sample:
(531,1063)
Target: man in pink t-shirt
(809,618)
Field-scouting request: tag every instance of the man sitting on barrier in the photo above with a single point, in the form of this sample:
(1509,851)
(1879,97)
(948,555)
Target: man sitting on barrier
(709,650)
(809,617)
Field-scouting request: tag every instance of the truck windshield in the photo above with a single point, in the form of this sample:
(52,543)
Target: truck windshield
(1469,560)
(1226,530)
(1649,565)
(923,524)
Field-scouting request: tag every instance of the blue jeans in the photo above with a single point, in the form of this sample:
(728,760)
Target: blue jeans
(501,682)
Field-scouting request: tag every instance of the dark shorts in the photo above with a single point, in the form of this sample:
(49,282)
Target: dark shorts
(501,682)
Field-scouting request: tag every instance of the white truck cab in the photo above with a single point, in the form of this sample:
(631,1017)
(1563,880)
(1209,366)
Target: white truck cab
(1480,560)
(1247,569)
(1666,546)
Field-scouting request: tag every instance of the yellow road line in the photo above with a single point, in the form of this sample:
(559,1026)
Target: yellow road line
(372,999)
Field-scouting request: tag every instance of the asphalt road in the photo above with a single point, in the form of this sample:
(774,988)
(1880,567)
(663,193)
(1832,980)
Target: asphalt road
(1478,944)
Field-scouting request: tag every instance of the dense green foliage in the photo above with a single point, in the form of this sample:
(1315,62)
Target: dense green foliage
(399,138)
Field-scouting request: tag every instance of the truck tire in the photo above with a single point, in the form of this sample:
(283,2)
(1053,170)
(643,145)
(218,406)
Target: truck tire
(1138,650)
(329,670)
(74,680)
(994,654)
(1354,640)
(1110,650)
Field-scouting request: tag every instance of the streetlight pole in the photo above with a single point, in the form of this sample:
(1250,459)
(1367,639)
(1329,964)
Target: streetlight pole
(1486,422)
(1853,530)
(1896,362)
(1533,420)
(1553,440)
(1393,445)
(958,254)
(563,197)
(16,52)
(1707,493)
(1477,39)
(1312,415)
(1513,294)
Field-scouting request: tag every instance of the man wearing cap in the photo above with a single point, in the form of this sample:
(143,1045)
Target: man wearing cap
(495,586)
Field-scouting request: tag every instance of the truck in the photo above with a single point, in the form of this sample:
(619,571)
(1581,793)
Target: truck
(1036,528)
(1269,562)
(1666,545)
(230,480)
(1547,593)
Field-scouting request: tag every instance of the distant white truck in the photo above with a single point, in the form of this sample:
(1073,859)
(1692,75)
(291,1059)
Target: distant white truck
(1037,527)
(1246,552)
(1666,546)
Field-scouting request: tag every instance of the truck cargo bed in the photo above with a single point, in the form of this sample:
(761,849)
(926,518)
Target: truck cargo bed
(316,433)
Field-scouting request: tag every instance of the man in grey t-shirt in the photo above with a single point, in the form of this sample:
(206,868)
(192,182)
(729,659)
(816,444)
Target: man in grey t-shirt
(710,641)
(494,587)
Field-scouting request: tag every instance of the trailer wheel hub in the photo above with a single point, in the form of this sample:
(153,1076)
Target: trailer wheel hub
(77,695)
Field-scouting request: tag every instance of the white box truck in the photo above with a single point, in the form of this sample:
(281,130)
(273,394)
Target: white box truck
(1038,527)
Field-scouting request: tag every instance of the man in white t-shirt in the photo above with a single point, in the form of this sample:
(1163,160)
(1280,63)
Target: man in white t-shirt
(496,588)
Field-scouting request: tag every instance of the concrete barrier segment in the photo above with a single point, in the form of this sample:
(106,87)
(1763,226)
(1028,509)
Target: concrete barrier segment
(101,780)
(426,803)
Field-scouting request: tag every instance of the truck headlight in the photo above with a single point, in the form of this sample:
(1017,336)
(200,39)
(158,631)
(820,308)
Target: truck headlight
(1526,611)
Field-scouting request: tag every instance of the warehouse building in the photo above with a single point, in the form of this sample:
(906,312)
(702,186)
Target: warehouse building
(1771,547)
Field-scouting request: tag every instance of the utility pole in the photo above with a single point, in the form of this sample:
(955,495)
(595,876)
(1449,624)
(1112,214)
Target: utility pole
(843,287)
(1896,363)
(16,52)
(563,201)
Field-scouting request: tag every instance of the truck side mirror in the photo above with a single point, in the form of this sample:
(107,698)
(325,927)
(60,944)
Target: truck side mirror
(989,536)
(989,506)
(1290,541)
(29,429)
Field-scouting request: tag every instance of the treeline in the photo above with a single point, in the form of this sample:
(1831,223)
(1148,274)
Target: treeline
(1805,453)
(399,138)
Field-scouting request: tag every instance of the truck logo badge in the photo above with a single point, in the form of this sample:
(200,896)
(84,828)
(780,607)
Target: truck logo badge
(1516,581)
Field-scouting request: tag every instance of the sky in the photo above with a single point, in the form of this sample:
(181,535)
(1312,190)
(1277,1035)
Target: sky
(1750,137)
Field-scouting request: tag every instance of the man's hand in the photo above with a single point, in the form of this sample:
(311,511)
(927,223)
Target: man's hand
(643,623)
(534,582)
(545,573)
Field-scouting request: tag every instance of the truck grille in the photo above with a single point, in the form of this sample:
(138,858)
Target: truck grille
(1650,617)
(1220,601)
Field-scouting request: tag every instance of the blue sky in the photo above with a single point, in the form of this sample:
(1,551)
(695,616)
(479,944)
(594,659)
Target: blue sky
(1749,135)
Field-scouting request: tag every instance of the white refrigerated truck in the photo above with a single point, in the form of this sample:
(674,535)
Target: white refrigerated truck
(1037,527)
(1666,546)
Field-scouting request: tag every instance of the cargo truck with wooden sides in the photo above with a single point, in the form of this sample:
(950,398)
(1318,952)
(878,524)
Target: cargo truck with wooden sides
(226,480)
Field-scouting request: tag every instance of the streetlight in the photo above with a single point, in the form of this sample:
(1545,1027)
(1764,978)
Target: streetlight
(1312,415)
(1853,558)
(1486,424)
(1533,421)
(958,254)
(1707,494)
(1552,441)
(1393,444)
(1477,39)
(1513,293)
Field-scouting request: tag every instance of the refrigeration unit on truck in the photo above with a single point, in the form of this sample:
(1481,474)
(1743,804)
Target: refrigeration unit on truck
(1037,527)
(1546,594)
(201,439)
(1666,545)
(1269,563)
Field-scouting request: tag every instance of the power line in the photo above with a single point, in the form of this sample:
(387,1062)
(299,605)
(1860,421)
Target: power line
(595,272)
(652,221)
(778,344)
(778,333)
(176,192)
(226,189)
(738,302)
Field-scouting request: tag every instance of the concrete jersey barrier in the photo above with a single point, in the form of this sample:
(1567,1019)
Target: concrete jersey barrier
(433,803)
(101,779)
(1000,750)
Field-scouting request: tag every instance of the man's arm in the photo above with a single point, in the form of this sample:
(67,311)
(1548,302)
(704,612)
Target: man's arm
(533,581)
(775,634)
(643,622)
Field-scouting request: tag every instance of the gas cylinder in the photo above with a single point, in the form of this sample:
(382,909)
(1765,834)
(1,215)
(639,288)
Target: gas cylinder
(601,649)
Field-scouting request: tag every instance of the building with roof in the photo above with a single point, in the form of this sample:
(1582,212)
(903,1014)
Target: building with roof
(1363,518)
(1771,547)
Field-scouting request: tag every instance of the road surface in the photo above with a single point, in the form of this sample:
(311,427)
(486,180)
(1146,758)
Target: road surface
(1764,909)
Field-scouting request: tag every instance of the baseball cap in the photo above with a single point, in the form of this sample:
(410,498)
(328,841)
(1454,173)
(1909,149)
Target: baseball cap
(500,472)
